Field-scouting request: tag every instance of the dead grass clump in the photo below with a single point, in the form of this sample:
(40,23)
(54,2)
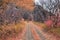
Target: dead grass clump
(11,30)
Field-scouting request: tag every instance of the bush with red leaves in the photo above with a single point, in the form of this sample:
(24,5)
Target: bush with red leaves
(49,23)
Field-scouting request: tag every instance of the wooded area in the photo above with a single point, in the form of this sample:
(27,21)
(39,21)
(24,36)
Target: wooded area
(10,12)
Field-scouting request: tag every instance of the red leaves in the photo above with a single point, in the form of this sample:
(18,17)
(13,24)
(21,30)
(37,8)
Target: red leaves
(48,23)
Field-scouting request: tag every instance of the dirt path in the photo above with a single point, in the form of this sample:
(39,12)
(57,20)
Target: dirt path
(33,32)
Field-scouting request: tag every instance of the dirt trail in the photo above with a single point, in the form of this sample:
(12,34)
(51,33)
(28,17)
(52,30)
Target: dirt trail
(33,32)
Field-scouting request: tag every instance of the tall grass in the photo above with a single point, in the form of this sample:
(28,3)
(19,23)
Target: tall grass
(11,30)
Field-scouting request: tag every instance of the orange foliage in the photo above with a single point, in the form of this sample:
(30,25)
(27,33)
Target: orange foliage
(27,4)
(11,30)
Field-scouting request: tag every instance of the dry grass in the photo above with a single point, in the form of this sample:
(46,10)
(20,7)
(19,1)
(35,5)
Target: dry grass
(41,25)
(54,31)
(11,30)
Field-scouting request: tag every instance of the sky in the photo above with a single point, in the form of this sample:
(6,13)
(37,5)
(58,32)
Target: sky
(38,2)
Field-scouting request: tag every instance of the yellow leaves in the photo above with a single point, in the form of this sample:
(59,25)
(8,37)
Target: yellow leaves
(19,27)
